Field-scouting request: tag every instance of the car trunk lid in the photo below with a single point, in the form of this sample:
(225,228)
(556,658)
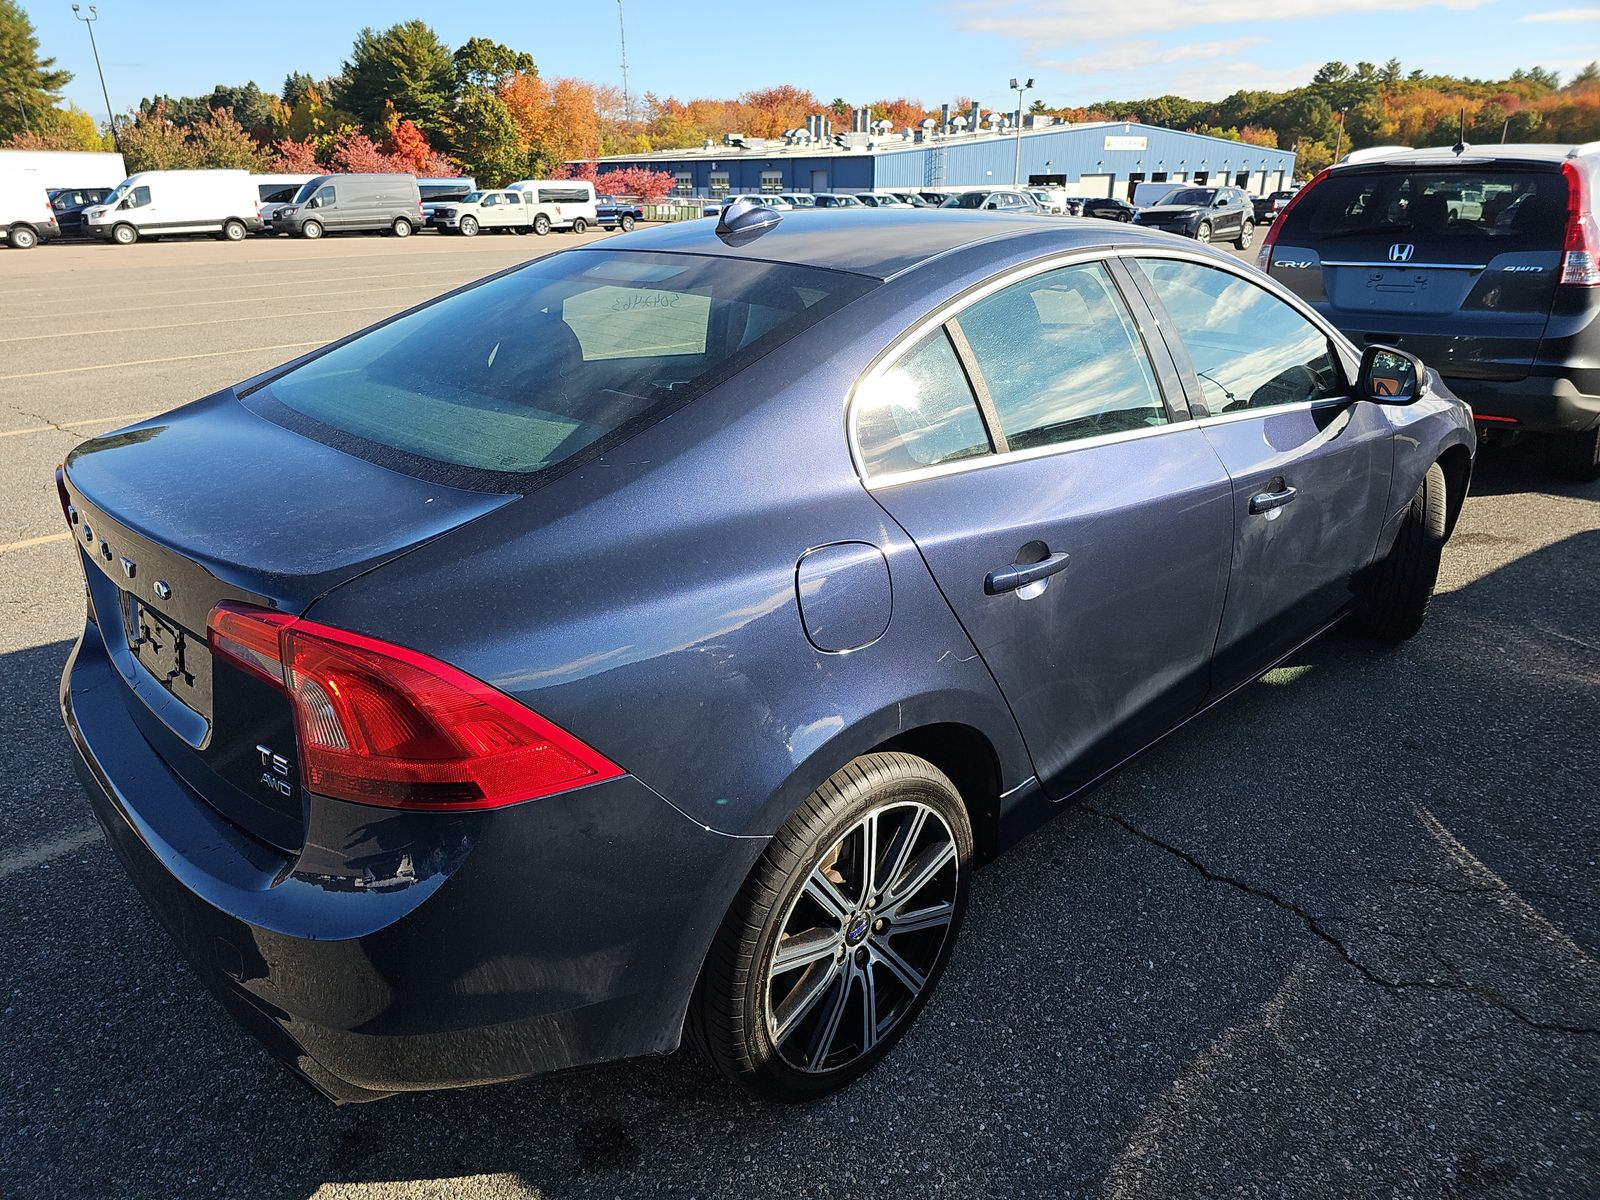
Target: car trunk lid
(213,503)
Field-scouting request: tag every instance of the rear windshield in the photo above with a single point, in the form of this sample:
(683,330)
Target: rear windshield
(1514,209)
(551,362)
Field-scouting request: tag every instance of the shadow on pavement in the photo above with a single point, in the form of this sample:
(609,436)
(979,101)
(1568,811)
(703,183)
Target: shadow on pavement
(1336,938)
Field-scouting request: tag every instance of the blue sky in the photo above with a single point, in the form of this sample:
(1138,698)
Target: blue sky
(931,49)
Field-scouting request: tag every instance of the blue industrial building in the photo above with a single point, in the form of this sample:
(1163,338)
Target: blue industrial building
(1096,159)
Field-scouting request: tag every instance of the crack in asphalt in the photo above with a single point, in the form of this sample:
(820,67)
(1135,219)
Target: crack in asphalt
(1457,984)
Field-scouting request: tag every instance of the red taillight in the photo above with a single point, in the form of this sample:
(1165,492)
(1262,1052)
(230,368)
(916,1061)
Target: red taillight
(1264,258)
(380,724)
(1580,250)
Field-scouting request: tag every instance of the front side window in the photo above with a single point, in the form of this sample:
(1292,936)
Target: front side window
(528,369)
(1061,359)
(1249,348)
(920,412)
(323,198)
(138,198)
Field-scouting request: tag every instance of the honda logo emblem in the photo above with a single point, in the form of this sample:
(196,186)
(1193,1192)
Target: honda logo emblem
(1401,252)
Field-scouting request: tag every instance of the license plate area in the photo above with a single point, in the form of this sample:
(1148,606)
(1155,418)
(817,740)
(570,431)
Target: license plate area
(176,659)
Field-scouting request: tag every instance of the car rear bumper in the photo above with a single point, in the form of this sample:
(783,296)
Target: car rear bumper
(416,951)
(1539,404)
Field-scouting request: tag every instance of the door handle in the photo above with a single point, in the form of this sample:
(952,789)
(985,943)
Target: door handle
(1020,575)
(1267,501)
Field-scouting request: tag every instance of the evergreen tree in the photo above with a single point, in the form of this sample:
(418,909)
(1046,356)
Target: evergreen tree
(29,85)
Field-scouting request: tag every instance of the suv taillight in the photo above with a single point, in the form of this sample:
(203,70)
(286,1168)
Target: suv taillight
(1580,250)
(380,724)
(1264,258)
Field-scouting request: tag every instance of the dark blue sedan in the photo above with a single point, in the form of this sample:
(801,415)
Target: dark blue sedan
(652,639)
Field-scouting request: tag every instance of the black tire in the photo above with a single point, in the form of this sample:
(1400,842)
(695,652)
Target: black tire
(626,222)
(1577,455)
(1401,586)
(124,235)
(233,231)
(311,229)
(579,225)
(1203,232)
(468,227)
(541,224)
(401,227)
(22,237)
(729,1015)
(1247,234)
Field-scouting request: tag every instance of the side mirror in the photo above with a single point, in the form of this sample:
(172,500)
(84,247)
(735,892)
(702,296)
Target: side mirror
(1220,202)
(1389,376)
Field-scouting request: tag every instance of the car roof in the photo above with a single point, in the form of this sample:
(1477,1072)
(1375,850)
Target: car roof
(880,244)
(1552,152)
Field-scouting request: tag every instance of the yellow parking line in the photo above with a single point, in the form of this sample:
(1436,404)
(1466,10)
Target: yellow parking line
(124,419)
(145,362)
(38,541)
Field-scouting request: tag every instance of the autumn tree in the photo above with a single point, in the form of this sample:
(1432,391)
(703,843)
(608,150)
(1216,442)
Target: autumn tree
(555,118)
(411,144)
(153,141)
(29,85)
(295,157)
(68,128)
(220,141)
(356,154)
(406,67)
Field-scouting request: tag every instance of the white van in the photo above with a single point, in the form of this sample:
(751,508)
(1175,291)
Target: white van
(159,203)
(64,168)
(559,204)
(26,215)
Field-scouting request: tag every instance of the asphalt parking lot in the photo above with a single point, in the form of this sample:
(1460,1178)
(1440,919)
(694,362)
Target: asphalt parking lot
(1338,938)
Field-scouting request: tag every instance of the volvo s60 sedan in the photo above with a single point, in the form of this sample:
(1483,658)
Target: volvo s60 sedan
(649,641)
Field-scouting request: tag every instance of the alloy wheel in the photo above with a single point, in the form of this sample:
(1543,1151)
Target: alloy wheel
(862,937)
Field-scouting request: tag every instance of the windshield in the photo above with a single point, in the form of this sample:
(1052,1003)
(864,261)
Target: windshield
(472,197)
(1517,209)
(965,200)
(536,366)
(118,192)
(307,189)
(1200,196)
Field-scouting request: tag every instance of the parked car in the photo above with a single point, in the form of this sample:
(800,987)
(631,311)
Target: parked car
(353,204)
(881,200)
(836,200)
(69,205)
(1487,261)
(914,199)
(1107,208)
(26,215)
(989,201)
(430,807)
(1267,208)
(164,203)
(1203,213)
(560,204)
(799,199)
(612,212)
(436,191)
(1052,200)
(496,211)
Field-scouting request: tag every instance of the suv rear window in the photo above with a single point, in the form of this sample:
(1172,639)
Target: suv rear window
(551,362)
(1518,209)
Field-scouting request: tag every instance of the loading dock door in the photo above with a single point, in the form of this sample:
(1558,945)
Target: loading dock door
(1095,185)
(819,181)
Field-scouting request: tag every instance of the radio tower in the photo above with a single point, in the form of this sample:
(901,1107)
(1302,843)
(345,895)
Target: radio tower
(622,36)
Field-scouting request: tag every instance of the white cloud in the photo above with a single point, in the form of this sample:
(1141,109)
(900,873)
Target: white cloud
(1057,21)
(1566,14)
(1119,57)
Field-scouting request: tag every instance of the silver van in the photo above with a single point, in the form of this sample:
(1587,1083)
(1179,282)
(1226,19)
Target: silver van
(344,203)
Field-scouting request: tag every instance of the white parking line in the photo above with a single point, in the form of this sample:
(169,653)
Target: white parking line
(267,283)
(72,333)
(145,362)
(123,419)
(29,857)
(125,311)
(36,541)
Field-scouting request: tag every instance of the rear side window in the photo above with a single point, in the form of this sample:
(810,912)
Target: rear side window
(1061,359)
(1249,348)
(562,195)
(528,370)
(920,412)
(1508,209)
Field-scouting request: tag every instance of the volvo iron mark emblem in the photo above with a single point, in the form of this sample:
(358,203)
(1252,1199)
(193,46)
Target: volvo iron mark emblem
(1401,252)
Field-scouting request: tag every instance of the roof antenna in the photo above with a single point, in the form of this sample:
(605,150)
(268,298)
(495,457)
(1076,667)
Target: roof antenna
(1461,137)
(744,221)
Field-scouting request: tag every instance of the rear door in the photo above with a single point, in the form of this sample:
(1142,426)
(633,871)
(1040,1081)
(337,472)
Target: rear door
(1076,522)
(1310,466)
(1455,262)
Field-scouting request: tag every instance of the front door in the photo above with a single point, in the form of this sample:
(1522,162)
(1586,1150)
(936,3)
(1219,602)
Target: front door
(1078,526)
(1310,465)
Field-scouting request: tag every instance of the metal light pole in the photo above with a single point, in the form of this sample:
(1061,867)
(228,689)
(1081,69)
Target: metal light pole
(1016,165)
(622,36)
(110,116)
